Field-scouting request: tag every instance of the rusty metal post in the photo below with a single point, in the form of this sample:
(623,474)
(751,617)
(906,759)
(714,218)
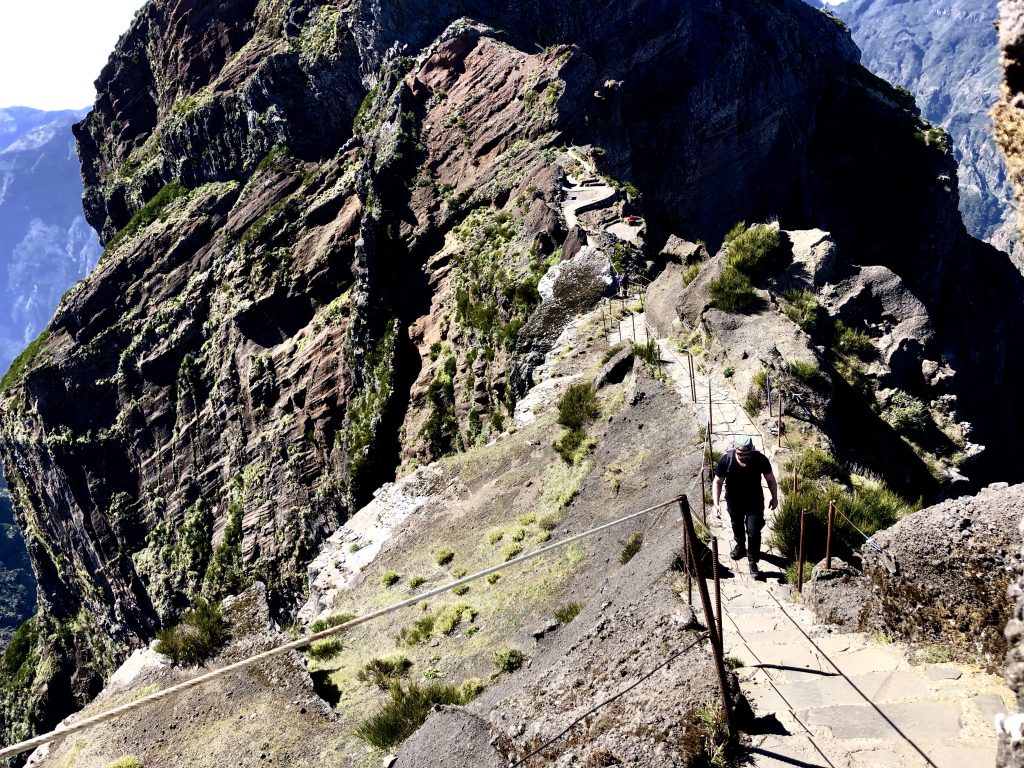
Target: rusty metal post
(710,423)
(632,319)
(703,498)
(828,537)
(780,421)
(718,592)
(688,565)
(693,380)
(709,618)
(800,558)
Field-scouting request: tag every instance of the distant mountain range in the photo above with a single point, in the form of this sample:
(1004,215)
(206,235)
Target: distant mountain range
(945,53)
(45,247)
(45,244)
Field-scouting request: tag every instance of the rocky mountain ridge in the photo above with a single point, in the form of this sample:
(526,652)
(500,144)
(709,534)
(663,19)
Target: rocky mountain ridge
(946,55)
(305,287)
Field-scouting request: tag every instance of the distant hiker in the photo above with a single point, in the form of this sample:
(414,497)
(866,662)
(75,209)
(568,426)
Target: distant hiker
(740,470)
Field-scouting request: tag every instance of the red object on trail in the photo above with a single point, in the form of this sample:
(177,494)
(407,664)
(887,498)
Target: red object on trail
(633,220)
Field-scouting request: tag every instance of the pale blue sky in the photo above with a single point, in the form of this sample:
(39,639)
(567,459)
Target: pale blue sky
(52,51)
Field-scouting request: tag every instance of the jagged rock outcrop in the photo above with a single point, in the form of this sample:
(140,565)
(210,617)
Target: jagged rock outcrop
(946,55)
(324,232)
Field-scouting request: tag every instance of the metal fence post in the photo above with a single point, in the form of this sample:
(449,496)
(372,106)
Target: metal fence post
(718,592)
(693,381)
(828,538)
(709,617)
(710,424)
(800,558)
(780,421)
(794,476)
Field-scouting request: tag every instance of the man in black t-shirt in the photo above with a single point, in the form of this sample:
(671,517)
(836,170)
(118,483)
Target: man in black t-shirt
(740,470)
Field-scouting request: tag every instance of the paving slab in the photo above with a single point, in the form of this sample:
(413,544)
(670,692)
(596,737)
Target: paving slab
(944,673)
(787,752)
(990,705)
(956,756)
(921,720)
(866,660)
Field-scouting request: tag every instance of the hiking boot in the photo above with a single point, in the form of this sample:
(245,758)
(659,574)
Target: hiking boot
(737,552)
(754,570)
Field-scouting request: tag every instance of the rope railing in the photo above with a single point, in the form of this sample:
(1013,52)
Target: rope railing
(116,712)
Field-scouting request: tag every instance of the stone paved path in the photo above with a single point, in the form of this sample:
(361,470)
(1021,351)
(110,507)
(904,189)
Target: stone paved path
(845,700)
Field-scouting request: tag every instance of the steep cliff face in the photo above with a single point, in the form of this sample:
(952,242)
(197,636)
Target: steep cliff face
(946,55)
(45,247)
(324,230)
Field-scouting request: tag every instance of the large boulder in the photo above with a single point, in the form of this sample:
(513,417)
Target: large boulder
(954,562)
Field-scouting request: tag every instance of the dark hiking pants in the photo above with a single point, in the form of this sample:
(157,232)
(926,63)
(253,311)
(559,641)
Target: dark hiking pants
(747,528)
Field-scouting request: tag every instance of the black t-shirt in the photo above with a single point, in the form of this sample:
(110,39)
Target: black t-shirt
(743,483)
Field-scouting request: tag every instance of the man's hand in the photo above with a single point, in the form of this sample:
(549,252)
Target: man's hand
(718,511)
(773,503)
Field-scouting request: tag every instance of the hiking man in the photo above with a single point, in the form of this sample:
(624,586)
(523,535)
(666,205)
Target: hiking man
(740,471)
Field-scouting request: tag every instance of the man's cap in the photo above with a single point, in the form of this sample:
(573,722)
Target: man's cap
(743,443)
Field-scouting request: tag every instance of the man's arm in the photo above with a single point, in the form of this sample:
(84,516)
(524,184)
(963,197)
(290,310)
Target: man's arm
(774,488)
(716,494)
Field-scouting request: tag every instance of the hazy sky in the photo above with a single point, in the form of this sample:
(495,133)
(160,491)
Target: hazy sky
(51,51)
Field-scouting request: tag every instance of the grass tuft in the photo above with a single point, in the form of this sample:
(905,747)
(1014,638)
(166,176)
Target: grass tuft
(384,672)
(406,711)
(201,632)
(631,547)
(568,612)
(509,659)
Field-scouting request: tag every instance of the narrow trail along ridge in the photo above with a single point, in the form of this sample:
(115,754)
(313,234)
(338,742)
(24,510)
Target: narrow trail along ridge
(825,697)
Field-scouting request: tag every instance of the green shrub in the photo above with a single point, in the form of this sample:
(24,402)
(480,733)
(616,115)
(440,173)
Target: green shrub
(738,229)
(802,370)
(461,590)
(406,711)
(146,215)
(201,632)
(852,342)
(390,578)
(732,291)
(493,578)
(417,632)
(444,556)
(753,404)
(691,274)
(449,617)
(870,507)
(568,612)
(23,361)
(324,649)
(760,378)
(512,551)
(631,547)
(569,444)
(729,372)
(648,352)
(416,581)
(610,353)
(578,406)
(802,309)
(509,659)
(493,537)
(528,519)
(907,415)
(792,572)
(757,252)
(518,534)
(335,620)
(705,737)
(384,672)
(129,761)
(814,464)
